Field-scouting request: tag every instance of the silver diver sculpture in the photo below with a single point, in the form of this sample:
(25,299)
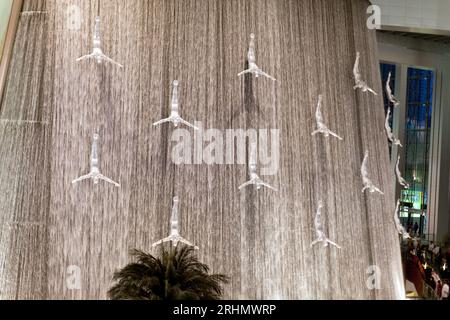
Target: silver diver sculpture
(389,94)
(97,53)
(253,167)
(252,66)
(318,226)
(94,173)
(398,225)
(359,83)
(391,136)
(400,179)
(368,184)
(321,127)
(174,236)
(175,117)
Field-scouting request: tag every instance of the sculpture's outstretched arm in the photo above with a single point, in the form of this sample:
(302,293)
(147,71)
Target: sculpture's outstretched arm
(86,57)
(314,243)
(188,124)
(262,73)
(326,132)
(372,91)
(377,190)
(244,72)
(157,243)
(162,121)
(334,135)
(108,59)
(262,183)
(82,178)
(190,244)
(106,179)
(245,185)
(333,244)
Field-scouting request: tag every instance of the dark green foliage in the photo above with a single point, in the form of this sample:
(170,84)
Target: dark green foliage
(177,275)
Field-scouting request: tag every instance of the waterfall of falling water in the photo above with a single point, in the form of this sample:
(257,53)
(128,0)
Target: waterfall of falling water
(261,239)
(25,163)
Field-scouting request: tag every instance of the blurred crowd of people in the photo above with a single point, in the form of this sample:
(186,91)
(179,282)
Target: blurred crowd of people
(434,262)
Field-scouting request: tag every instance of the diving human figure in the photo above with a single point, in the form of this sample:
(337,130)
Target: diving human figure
(321,127)
(175,117)
(398,225)
(389,94)
(400,179)
(94,173)
(97,53)
(391,136)
(252,66)
(359,83)
(253,167)
(368,184)
(174,236)
(321,237)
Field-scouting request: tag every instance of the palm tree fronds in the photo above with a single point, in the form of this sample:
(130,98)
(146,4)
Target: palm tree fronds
(176,275)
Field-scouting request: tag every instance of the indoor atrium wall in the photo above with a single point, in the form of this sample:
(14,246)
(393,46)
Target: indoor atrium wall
(261,239)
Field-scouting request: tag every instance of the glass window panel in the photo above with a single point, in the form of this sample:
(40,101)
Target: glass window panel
(418,129)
